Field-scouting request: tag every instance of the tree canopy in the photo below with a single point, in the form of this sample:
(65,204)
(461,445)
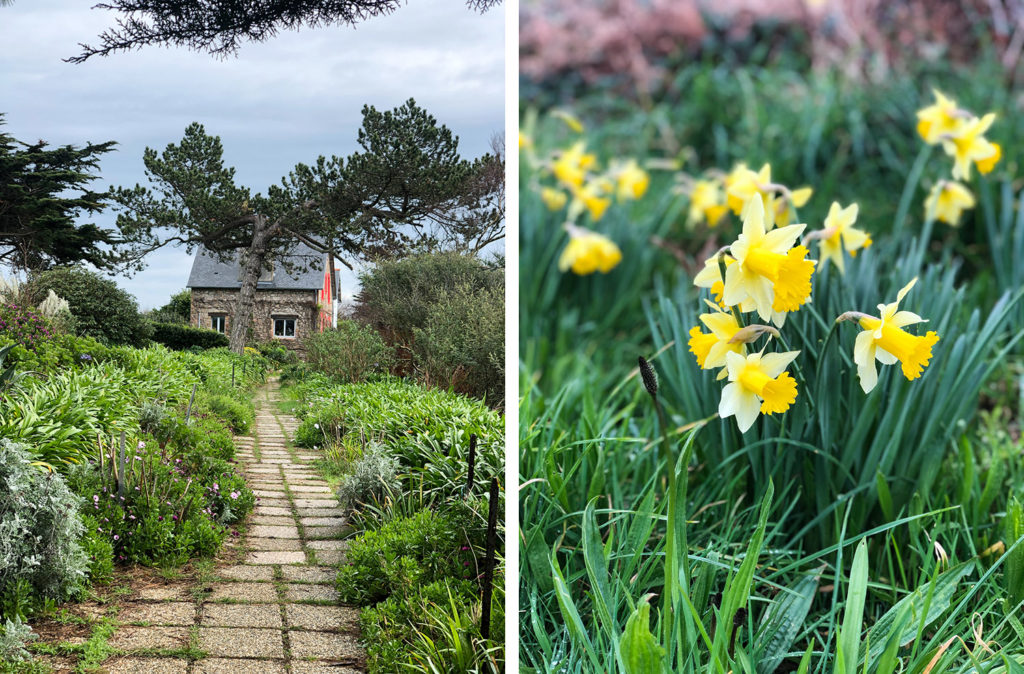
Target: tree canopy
(407,170)
(43,191)
(220,27)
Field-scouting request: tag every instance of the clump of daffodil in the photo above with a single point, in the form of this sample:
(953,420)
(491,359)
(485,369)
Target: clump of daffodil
(767,270)
(742,183)
(885,340)
(588,252)
(947,201)
(726,336)
(758,384)
(838,234)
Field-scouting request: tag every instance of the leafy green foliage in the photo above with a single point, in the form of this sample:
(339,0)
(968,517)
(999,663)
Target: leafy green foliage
(101,309)
(348,353)
(373,475)
(238,415)
(177,311)
(181,337)
(462,342)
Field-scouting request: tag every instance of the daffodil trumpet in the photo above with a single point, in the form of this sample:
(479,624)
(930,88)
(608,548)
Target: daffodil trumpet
(884,339)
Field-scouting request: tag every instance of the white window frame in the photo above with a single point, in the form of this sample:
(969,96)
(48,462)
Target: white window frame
(273,326)
(223,319)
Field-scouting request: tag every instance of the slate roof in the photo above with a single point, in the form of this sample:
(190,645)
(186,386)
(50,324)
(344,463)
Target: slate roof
(210,272)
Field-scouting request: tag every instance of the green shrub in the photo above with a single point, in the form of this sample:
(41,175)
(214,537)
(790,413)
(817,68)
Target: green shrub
(101,309)
(402,554)
(462,342)
(99,551)
(24,325)
(181,337)
(348,353)
(396,295)
(275,352)
(13,635)
(238,415)
(39,533)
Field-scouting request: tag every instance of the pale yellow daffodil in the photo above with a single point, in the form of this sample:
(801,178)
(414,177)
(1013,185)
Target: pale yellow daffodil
(947,201)
(707,202)
(884,339)
(554,199)
(968,145)
(588,252)
(838,233)
(590,197)
(631,181)
(768,269)
(941,118)
(758,384)
(741,184)
(710,277)
(571,166)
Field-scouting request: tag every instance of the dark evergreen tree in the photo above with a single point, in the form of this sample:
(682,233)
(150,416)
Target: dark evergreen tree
(220,27)
(43,191)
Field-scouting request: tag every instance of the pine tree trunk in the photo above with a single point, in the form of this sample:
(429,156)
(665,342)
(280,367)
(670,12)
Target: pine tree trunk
(253,268)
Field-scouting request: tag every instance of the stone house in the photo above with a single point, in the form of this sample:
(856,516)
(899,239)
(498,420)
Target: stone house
(289,306)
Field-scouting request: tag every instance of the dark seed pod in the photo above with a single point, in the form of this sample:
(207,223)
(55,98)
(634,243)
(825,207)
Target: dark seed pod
(648,375)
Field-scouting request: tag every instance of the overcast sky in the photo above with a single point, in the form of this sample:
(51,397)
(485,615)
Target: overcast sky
(275,104)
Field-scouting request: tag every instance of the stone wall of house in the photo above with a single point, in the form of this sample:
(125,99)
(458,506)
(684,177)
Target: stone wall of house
(270,304)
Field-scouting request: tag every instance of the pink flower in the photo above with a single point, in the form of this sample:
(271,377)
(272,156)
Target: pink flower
(116,537)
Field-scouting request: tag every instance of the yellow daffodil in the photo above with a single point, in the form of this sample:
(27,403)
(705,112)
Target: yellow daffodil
(968,145)
(758,384)
(631,180)
(591,197)
(768,269)
(588,252)
(941,118)
(779,201)
(947,201)
(885,340)
(524,141)
(742,184)
(710,277)
(571,167)
(839,233)
(707,202)
(553,199)
(710,348)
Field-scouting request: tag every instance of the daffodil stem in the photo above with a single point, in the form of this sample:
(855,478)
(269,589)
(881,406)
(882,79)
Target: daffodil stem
(799,376)
(913,180)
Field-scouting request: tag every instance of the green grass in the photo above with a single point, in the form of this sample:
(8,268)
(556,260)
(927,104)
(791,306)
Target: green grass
(854,533)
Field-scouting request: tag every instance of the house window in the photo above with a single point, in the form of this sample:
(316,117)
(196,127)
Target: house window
(284,328)
(218,322)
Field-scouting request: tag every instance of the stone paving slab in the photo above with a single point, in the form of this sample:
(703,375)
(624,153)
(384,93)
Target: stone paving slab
(145,638)
(306,667)
(249,592)
(250,573)
(309,574)
(234,642)
(309,592)
(302,488)
(235,665)
(336,511)
(325,645)
(272,520)
(275,544)
(322,521)
(265,531)
(324,532)
(273,502)
(130,665)
(327,545)
(163,613)
(323,618)
(282,557)
(273,510)
(242,615)
(315,503)
(330,556)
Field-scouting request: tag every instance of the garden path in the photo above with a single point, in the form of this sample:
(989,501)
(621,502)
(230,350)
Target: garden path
(277,610)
